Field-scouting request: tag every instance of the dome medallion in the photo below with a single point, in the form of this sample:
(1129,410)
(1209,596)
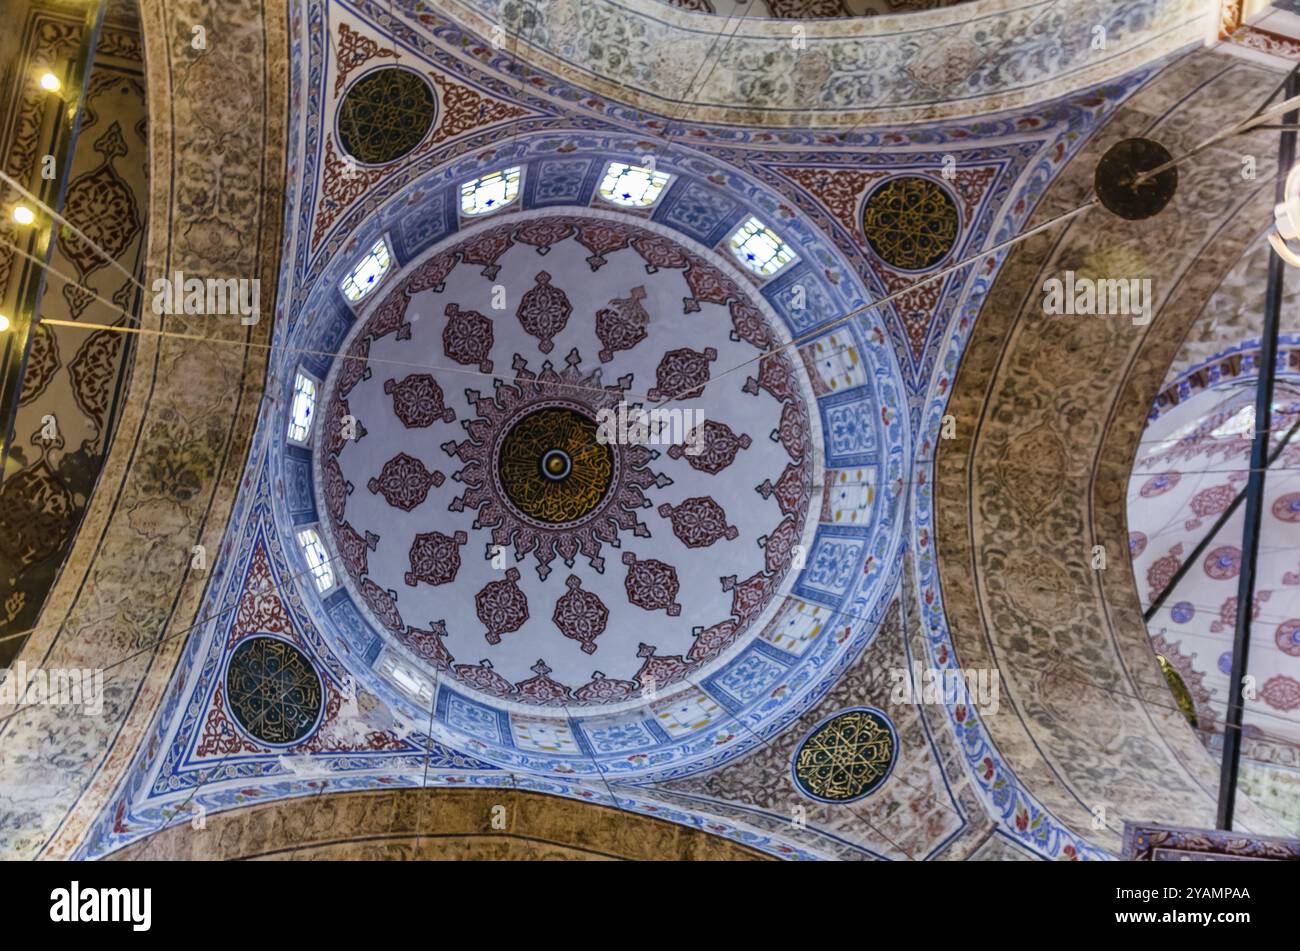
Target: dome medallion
(491,530)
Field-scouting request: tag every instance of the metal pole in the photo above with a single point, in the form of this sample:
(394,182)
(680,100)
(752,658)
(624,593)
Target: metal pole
(1255,490)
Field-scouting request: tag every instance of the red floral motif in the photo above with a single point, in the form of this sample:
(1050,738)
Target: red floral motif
(600,239)
(333,419)
(544,311)
(681,374)
(699,522)
(793,431)
(220,738)
(260,609)
(432,273)
(1162,571)
(720,448)
(541,689)
(354,49)
(580,615)
(482,677)
(707,284)
(1228,612)
(659,672)
(1210,501)
(391,315)
(1288,637)
(712,641)
(602,689)
(1159,484)
(1137,544)
(1286,508)
(355,366)
(468,338)
(778,547)
(435,558)
(336,488)
(749,596)
(428,645)
(1281,693)
(659,252)
(486,249)
(404,482)
(774,375)
(417,401)
(651,584)
(544,232)
(383,603)
(790,490)
(750,326)
(1223,563)
(353,547)
(915,306)
(621,325)
(501,606)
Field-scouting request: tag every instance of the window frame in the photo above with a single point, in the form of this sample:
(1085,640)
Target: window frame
(506,203)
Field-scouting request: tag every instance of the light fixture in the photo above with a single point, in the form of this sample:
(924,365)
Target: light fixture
(24,215)
(4,323)
(50,82)
(1286,219)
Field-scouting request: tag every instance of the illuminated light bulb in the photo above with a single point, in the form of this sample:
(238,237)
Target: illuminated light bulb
(4,323)
(24,215)
(50,82)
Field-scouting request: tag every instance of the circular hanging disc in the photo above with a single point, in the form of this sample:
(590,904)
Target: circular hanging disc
(1118,168)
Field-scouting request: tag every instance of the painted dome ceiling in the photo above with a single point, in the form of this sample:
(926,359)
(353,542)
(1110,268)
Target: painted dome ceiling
(409,555)
(487,524)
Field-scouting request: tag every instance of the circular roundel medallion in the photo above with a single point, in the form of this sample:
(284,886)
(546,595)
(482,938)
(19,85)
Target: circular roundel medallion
(385,114)
(1119,167)
(910,221)
(552,468)
(274,691)
(847,756)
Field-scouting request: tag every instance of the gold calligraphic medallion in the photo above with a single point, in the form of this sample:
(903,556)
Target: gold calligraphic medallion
(911,222)
(846,757)
(552,468)
(274,691)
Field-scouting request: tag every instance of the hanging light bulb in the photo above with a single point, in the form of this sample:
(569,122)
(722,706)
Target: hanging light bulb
(50,82)
(4,323)
(1286,219)
(24,215)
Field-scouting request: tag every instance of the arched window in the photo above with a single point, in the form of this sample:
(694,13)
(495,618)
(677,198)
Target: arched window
(633,185)
(760,249)
(491,192)
(368,273)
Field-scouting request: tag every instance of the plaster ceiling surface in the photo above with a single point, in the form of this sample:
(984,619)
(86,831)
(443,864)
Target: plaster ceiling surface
(964,59)
(807,9)
(488,523)
(388,681)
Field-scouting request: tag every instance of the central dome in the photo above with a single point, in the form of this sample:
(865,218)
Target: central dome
(558,495)
(552,467)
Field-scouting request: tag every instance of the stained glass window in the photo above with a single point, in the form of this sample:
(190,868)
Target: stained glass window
(368,273)
(481,195)
(317,561)
(759,248)
(632,185)
(302,408)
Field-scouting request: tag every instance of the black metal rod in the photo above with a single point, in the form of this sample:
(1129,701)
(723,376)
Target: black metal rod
(1255,490)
